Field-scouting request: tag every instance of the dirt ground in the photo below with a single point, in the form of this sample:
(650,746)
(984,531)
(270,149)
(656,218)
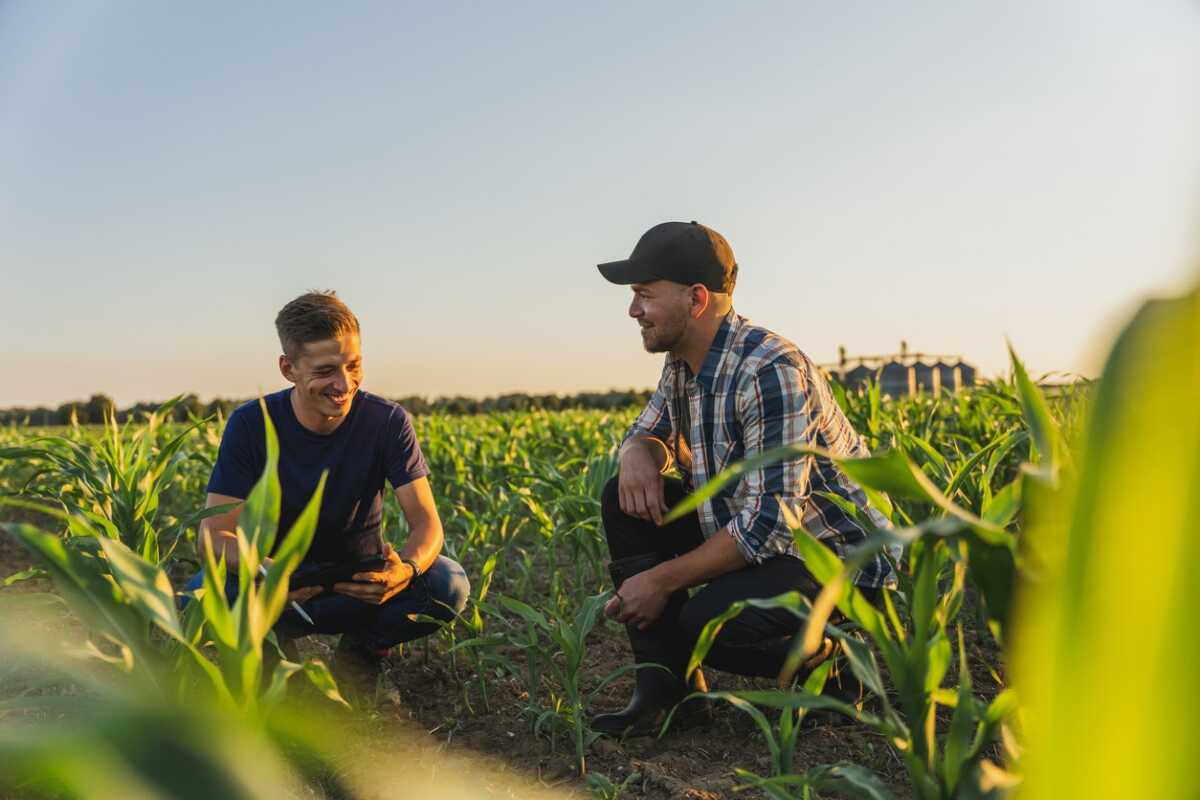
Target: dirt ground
(695,762)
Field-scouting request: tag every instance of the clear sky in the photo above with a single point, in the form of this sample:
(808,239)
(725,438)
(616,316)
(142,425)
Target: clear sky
(943,172)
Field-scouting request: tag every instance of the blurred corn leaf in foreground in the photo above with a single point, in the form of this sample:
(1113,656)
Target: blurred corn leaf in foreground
(1106,655)
(70,730)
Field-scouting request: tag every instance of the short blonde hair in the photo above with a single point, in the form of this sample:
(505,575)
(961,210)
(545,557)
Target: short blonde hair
(313,317)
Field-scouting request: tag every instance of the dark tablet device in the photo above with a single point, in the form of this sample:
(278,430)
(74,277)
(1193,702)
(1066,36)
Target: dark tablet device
(328,573)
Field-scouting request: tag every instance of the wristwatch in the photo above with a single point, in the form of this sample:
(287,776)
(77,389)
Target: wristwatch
(416,570)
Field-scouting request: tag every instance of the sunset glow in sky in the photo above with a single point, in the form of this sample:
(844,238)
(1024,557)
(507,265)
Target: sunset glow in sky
(951,174)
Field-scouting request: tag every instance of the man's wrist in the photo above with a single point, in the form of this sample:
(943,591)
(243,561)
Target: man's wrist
(668,576)
(656,449)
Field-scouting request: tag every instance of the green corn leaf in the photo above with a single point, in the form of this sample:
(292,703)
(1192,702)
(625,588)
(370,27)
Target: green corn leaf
(1042,428)
(794,602)
(145,585)
(849,779)
(778,698)
(485,577)
(815,682)
(1002,706)
(934,458)
(1003,507)
(624,669)
(322,680)
(880,502)
(291,551)
(849,508)
(893,473)
(259,517)
(1107,653)
(889,472)
(315,671)
(220,620)
(139,751)
(927,558)
(740,702)
(964,470)
(993,569)
(863,665)
(938,656)
(837,592)
(958,739)
(149,543)
(23,575)
(589,611)
(524,611)
(82,580)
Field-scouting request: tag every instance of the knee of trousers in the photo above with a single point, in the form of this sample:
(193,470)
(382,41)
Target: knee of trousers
(693,617)
(610,499)
(449,587)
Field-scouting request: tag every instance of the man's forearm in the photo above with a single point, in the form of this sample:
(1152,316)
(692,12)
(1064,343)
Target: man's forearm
(717,556)
(423,546)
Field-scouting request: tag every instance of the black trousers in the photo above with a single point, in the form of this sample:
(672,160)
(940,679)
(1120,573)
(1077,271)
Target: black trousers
(753,643)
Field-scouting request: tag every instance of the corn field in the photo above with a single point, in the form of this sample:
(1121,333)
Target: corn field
(1037,645)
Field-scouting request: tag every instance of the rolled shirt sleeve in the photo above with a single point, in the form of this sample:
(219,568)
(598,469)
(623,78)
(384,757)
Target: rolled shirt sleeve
(774,407)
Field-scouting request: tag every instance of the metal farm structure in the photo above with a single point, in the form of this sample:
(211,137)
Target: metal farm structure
(903,373)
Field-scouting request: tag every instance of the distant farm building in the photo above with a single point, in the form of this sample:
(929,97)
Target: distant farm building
(904,372)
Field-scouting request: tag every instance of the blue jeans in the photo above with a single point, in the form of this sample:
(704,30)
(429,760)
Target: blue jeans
(440,593)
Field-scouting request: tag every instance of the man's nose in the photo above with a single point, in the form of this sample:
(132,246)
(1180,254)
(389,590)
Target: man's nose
(635,308)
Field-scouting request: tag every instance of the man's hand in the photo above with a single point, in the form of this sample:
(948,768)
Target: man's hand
(295,595)
(640,482)
(379,587)
(640,600)
(304,593)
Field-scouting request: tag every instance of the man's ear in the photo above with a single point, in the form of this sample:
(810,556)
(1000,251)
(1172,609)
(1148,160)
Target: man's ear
(700,299)
(286,369)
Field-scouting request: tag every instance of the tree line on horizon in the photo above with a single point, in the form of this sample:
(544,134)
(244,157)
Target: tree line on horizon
(98,407)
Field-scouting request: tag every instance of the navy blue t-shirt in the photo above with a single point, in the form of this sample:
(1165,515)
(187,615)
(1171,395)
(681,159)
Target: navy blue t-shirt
(374,444)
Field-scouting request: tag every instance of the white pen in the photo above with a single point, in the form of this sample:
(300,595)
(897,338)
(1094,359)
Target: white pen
(262,570)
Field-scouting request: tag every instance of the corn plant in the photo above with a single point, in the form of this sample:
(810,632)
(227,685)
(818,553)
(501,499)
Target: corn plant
(483,649)
(603,787)
(116,481)
(562,657)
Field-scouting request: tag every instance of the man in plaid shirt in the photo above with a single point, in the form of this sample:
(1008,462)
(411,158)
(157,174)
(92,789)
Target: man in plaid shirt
(729,390)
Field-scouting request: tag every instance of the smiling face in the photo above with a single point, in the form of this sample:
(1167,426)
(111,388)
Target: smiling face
(327,374)
(661,309)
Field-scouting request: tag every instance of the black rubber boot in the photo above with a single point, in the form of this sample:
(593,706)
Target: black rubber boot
(657,690)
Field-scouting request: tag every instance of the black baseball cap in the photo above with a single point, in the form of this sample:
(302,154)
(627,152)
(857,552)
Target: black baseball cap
(683,252)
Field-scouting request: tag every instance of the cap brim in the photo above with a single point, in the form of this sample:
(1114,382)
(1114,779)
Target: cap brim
(626,272)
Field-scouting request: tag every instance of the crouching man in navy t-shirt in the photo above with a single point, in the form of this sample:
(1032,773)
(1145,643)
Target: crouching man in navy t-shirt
(325,422)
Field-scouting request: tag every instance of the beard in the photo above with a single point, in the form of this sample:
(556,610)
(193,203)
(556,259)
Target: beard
(664,336)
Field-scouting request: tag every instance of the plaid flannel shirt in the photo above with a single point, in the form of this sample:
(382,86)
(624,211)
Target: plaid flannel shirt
(756,391)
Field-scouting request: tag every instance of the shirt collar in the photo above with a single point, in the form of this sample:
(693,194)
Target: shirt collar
(716,352)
